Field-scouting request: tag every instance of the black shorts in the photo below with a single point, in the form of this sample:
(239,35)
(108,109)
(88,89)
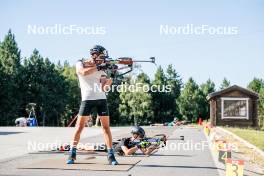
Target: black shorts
(88,106)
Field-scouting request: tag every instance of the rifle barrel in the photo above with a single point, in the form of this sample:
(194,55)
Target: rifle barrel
(142,61)
(152,60)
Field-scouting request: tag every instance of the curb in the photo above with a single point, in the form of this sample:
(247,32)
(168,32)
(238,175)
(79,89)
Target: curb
(220,167)
(249,145)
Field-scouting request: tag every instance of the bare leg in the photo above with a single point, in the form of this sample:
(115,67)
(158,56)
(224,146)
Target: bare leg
(97,121)
(80,124)
(106,131)
(108,139)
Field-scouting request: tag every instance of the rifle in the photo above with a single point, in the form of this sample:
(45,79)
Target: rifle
(157,140)
(112,66)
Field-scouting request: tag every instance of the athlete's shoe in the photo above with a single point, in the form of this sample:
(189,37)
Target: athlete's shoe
(72,156)
(111,159)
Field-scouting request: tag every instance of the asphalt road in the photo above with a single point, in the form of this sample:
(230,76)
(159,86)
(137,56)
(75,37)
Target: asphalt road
(186,158)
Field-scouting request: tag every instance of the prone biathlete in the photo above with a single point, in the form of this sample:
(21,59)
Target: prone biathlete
(130,145)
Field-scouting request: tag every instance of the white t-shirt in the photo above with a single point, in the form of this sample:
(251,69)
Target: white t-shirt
(90,84)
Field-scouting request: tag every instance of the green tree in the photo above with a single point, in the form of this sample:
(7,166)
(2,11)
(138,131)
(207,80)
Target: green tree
(4,98)
(206,89)
(159,97)
(164,103)
(225,84)
(256,84)
(10,80)
(143,78)
(124,109)
(113,100)
(261,107)
(135,106)
(73,94)
(175,82)
(45,86)
(189,100)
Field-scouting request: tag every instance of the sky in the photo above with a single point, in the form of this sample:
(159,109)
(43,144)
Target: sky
(133,28)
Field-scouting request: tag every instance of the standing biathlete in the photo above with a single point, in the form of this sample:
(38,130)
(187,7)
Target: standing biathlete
(89,78)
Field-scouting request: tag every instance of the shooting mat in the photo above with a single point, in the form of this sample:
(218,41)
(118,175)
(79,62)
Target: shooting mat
(89,163)
(81,152)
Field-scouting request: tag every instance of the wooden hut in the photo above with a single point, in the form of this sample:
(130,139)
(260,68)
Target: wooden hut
(233,106)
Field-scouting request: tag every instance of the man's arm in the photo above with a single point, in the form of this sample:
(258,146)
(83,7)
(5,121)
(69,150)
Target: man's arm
(149,150)
(106,83)
(87,70)
(128,151)
(86,67)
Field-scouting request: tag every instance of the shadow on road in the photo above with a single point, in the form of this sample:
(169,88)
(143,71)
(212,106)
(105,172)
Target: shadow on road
(190,167)
(8,133)
(173,155)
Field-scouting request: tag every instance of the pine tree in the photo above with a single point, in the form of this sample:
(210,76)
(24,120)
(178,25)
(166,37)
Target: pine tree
(175,82)
(204,107)
(261,107)
(256,84)
(225,84)
(10,80)
(45,86)
(135,106)
(73,94)
(159,97)
(189,100)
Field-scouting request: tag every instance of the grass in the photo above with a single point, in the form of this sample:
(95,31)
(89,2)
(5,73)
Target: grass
(255,137)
